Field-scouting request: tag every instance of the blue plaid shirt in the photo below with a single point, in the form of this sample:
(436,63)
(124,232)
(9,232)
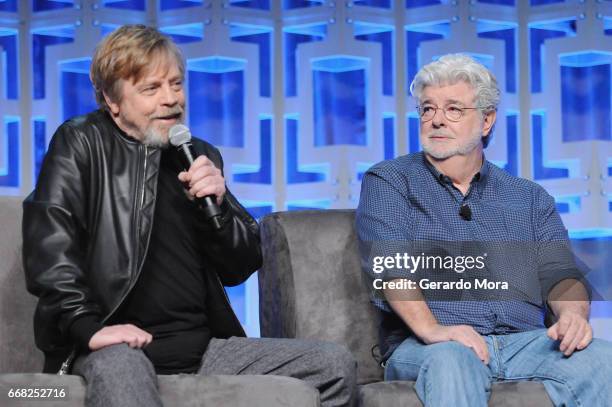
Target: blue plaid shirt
(406,199)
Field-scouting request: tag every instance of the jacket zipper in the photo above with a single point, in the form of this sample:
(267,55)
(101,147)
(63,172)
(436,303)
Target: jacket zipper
(73,354)
(138,216)
(144,178)
(138,223)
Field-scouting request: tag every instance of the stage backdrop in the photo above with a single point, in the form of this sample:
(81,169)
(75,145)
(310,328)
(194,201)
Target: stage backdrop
(303,96)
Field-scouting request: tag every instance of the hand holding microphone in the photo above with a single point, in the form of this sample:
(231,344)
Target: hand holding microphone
(206,184)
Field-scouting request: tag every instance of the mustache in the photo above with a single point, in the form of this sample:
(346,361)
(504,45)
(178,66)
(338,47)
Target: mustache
(172,112)
(439,133)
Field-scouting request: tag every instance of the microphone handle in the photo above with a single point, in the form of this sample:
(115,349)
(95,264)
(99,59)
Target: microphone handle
(207,203)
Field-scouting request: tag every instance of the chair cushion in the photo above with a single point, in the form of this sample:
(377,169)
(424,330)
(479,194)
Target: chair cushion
(177,390)
(504,394)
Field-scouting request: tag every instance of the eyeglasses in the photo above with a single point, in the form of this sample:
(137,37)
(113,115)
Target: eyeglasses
(453,113)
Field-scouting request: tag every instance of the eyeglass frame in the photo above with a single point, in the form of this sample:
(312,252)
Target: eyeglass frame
(418,107)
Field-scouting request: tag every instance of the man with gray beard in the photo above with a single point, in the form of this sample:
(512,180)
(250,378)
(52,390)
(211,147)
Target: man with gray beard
(449,197)
(128,270)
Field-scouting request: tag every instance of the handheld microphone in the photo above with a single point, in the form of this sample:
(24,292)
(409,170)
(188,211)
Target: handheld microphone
(465,212)
(180,137)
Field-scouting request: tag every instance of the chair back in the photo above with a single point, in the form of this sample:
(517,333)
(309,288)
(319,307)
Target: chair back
(311,287)
(18,354)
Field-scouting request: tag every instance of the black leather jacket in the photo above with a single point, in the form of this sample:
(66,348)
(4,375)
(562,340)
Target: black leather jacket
(86,231)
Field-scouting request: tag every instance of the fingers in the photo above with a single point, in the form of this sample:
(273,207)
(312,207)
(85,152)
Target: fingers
(212,184)
(199,163)
(481,349)
(467,336)
(129,334)
(570,339)
(574,332)
(136,337)
(586,339)
(553,333)
(564,332)
(196,173)
(581,335)
(204,179)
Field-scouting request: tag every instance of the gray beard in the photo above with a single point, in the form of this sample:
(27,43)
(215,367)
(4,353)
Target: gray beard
(465,149)
(154,138)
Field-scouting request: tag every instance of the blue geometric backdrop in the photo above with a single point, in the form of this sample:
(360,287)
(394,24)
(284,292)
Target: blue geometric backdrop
(303,96)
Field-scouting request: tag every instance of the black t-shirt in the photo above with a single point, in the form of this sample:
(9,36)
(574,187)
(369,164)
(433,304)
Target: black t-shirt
(168,299)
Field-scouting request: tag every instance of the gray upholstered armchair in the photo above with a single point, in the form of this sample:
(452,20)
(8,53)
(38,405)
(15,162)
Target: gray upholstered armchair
(311,287)
(20,360)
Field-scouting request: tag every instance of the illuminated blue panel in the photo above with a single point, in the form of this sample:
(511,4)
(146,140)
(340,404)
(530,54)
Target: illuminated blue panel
(77,92)
(384,36)
(413,42)
(374,3)
(294,36)
(562,207)
(174,4)
(538,123)
(8,5)
(414,143)
(237,297)
(10,61)
(262,39)
(307,204)
(339,86)
(44,5)
(484,59)
(508,35)
(40,146)
(216,100)
(294,175)
(389,144)
(595,233)
(541,2)
(40,40)
(585,103)
(264,174)
(608,26)
(512,144)
(9,174)
(500,2)
(421,3)
(538,34)
(601,309)
(184,33)
(594,248)
(389,135)
(291,4)
(125,4)
(256,4)
(107,29)
(568,204)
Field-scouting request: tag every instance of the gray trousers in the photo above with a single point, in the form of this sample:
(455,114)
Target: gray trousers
(121,376)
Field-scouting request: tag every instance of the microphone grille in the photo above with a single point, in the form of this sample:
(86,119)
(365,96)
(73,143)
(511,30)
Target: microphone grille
(179,134)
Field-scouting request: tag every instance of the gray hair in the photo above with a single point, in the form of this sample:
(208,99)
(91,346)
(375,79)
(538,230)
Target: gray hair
(452,68)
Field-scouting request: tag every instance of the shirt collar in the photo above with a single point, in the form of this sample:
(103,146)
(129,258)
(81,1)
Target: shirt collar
(479,177)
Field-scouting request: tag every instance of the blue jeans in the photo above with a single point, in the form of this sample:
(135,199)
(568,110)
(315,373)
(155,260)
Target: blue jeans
(450,374)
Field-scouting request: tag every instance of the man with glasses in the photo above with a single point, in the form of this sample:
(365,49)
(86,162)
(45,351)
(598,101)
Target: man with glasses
(456,339)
